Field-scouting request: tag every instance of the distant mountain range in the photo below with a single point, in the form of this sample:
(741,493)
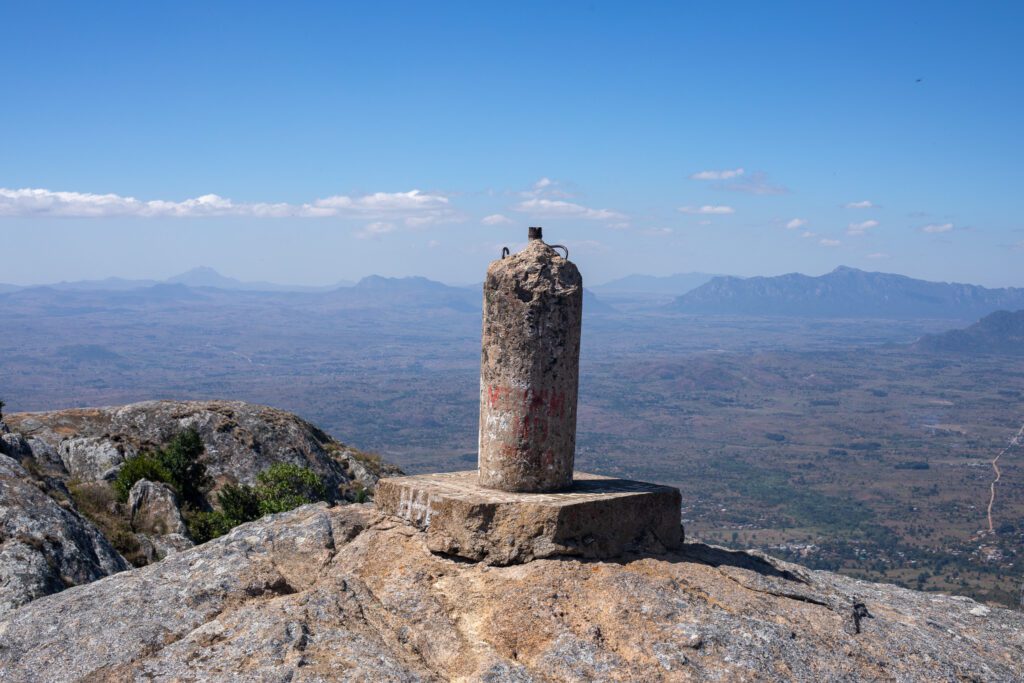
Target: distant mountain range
(373,292)
(999,332)
(677,284)
(845,293)
(203,276)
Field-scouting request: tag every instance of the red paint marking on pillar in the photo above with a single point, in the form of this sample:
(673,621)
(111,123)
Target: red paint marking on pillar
(548,458)
(556,404)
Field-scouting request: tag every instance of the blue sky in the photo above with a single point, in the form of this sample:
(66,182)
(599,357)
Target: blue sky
(309,142)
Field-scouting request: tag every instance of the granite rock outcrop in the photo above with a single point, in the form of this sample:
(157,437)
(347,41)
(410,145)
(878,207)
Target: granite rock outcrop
(346,593)
(241,439)
(61,524)
(45,547)
(154,509)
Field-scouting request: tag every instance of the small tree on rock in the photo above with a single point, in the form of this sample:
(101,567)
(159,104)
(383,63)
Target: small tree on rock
(284,486)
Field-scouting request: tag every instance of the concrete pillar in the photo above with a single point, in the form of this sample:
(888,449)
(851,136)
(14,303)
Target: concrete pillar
(529,370)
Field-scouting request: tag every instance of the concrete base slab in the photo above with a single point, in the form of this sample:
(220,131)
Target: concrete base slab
(599,517)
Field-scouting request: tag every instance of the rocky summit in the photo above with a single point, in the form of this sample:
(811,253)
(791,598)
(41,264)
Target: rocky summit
(345,593)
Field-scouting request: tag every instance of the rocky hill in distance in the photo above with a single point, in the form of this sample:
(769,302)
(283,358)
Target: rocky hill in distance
(845,293)
(676,284)
(1001,332)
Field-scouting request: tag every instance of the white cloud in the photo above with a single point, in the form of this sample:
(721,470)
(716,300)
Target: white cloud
(658,232)
(807,234)
(707,209)
(859,229)
(495,219)
(375,229)
(825,242)
(878,255)
(796,223)
(413,206)
(557,207)
(937,227)
(545,187)
(862,204)
(382,202)
(717,175)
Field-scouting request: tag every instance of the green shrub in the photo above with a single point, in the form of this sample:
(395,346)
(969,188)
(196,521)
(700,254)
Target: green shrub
(360,495)
(140,467)
(176,464)
(284,486)
(204,526)
(188,476)
(280,487)
(239,503)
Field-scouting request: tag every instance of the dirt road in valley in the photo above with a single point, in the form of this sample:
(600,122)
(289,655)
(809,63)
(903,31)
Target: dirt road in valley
(995,466)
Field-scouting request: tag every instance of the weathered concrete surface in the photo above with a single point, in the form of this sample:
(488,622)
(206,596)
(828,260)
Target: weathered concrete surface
(529,370)
(346,594)
(599,517)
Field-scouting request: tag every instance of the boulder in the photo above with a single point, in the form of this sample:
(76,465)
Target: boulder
(44,548)
(156,548)
(344,593)
(93,458)
(47,458)
(154,509)
(359,470)
(14,445)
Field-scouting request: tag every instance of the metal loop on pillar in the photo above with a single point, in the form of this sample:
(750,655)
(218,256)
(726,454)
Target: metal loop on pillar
(504,252)
(563,248)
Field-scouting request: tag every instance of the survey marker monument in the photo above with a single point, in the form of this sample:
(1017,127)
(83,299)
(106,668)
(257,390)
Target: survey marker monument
(525,501)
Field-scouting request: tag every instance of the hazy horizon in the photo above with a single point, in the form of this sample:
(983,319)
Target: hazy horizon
(351,281)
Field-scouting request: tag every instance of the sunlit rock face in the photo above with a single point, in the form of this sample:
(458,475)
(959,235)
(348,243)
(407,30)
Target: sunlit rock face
(44,547)
(344,593)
